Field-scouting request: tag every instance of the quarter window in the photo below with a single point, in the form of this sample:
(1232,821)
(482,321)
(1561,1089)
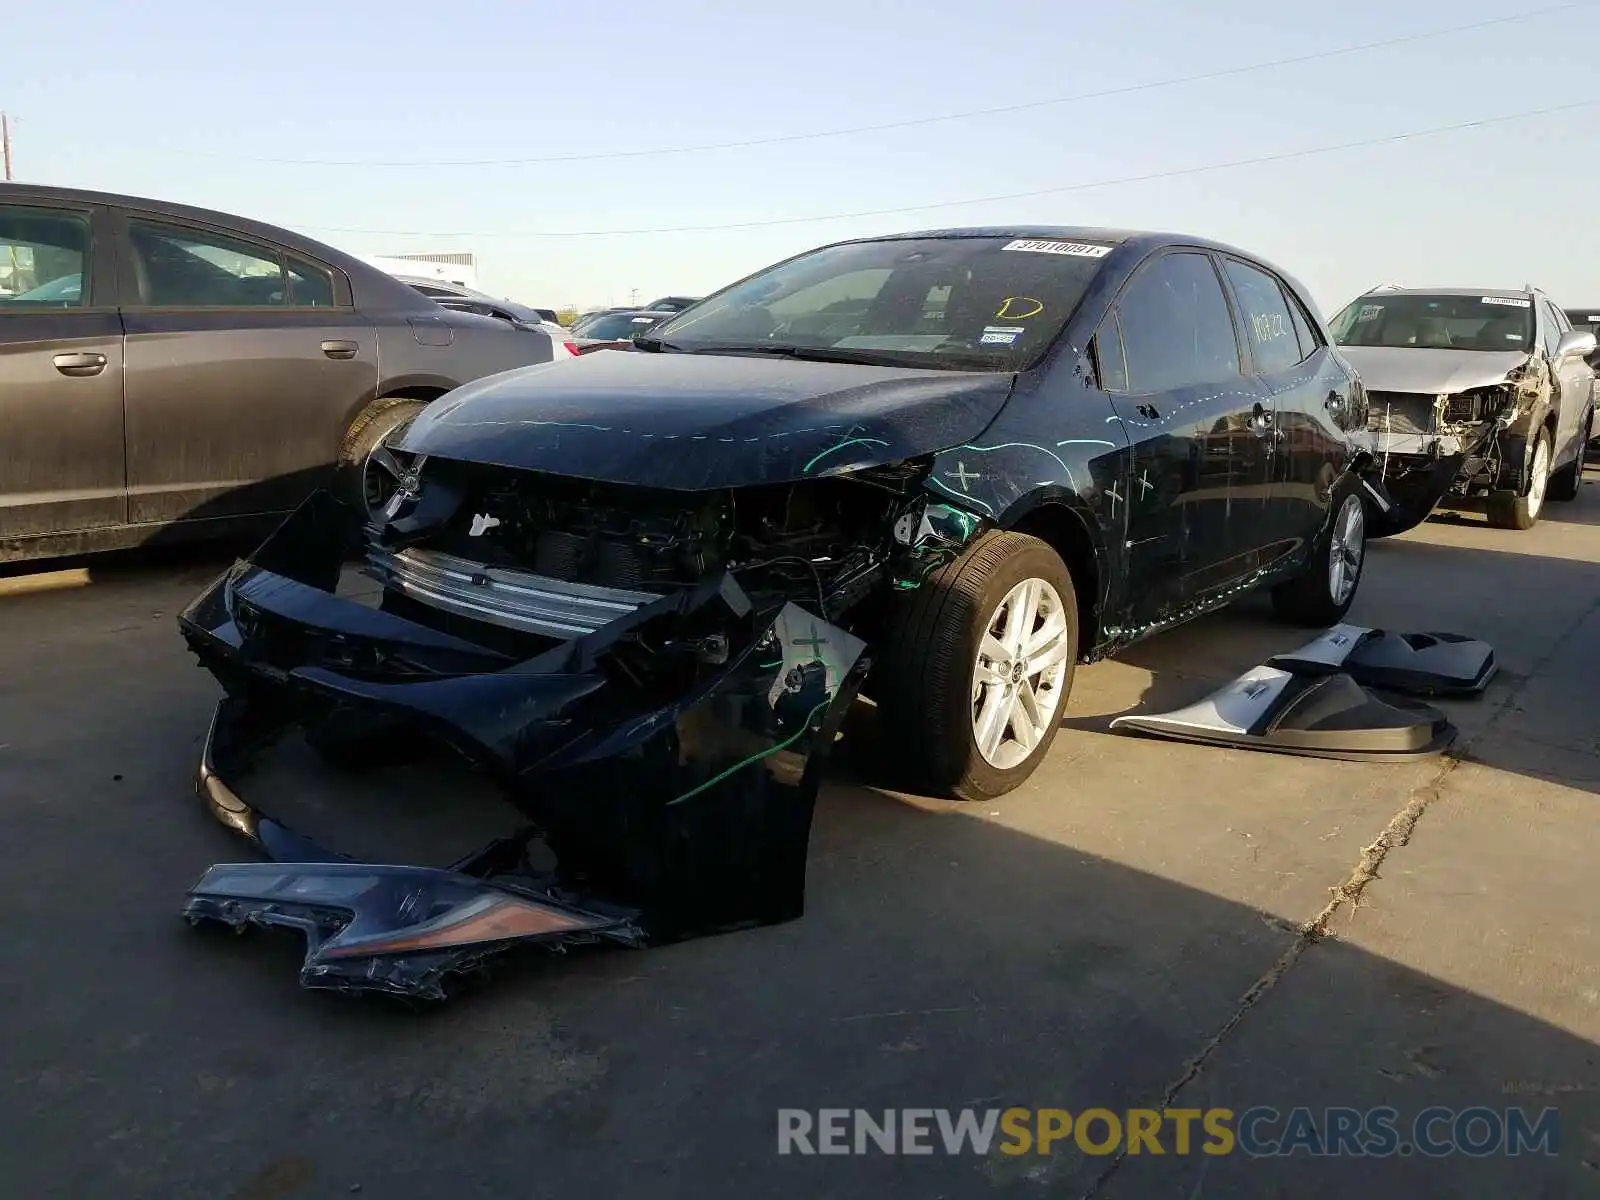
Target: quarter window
(1176,328)
(310,286)
(1310,342)
(1268,324)
(176,267)
(44,256)
(1108,359)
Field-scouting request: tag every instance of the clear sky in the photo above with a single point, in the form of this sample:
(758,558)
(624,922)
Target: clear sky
(184,101)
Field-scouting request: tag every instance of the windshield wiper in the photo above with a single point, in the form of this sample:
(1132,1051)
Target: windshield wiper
(889,358)
(654,345)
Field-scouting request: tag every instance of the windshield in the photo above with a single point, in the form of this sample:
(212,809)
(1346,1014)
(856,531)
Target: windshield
(618,325)
(1437,322)
(986,303)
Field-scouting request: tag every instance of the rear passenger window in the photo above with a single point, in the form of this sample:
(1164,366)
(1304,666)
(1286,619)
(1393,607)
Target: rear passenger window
(310,286)
(1176,328)
(177,267)
(1108,361)
(1267,320)
(43,258)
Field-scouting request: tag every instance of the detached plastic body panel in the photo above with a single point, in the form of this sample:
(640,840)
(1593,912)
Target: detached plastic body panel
(1422,664)
(1322,715)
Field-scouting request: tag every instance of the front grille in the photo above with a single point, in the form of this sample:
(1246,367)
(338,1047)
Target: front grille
(512,599)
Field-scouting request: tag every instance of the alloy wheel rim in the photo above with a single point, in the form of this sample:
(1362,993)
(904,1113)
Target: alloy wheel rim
(384,470)
(1541,475)
(1346,548)
(1019,675)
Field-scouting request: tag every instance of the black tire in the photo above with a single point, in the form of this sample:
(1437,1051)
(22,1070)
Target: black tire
(924,677)
(1507,509)
(1308,598)
(1564,484)
(380,422)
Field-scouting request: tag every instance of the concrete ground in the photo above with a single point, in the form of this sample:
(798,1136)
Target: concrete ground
(1145,924)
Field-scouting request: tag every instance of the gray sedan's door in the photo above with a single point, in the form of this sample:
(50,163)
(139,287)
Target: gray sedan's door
(244,363)
(61,465)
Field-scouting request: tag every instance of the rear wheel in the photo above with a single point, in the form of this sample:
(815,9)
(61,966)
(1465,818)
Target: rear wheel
(1564,484)
(1324,591)
(1506,509)
(978,664)
(370,469)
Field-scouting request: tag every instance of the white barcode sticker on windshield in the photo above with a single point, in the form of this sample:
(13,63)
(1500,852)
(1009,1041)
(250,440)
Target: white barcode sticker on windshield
(1078,249)
(1369,311)
(1000,335)
(1513,301)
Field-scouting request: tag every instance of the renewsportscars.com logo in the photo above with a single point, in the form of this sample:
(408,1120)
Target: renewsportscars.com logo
(1259,1132)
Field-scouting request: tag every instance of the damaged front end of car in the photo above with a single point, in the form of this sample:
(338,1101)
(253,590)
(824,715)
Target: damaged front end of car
(1453,447)
(652,678)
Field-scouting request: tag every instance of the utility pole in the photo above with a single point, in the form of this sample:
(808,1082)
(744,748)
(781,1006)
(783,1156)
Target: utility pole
(5,142)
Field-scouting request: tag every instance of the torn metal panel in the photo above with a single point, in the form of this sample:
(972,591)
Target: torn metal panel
(670,758)
(1317,716)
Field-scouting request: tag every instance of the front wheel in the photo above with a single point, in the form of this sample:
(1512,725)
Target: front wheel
(977,666)
(1324,591)
(1506,509)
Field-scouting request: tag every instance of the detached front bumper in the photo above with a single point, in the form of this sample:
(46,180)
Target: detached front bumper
(675,804)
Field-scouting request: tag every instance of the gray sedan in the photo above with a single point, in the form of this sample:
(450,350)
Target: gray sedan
(169,371)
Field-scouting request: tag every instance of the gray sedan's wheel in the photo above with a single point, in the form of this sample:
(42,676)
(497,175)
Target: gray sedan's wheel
(370,469)
(1324,591)
(976,666)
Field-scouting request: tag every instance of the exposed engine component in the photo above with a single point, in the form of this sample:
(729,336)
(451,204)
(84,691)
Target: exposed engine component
(802,539)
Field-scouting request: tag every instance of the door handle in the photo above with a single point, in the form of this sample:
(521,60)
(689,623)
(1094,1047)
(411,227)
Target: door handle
(79,365)
(339,349)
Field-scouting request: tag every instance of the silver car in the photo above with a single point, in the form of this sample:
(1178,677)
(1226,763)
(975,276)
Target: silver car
(1479,399)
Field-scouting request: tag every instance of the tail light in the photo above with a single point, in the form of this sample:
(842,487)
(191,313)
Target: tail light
(572,348)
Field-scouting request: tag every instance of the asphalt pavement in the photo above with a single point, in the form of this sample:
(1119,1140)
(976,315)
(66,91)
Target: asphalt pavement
(1145,925)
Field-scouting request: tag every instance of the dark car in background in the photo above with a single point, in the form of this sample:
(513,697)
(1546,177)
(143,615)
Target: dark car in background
(972,458)
(167,369)
(672,303)
(614,329)
(459,295)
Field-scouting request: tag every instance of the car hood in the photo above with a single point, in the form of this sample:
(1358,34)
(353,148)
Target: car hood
(1434,372)
(701,421)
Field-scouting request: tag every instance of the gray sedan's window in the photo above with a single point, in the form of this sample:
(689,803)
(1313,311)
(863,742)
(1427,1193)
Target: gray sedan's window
(178,267)
(310,286)
(1176,328)
(43,257)
(1268,323)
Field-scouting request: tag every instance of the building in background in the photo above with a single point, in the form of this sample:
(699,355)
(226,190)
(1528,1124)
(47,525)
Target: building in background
(451,266)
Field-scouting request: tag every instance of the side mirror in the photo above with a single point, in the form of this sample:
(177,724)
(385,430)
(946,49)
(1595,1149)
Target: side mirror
(1575,341)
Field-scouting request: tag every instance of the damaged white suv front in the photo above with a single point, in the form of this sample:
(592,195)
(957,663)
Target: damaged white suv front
(1479,400)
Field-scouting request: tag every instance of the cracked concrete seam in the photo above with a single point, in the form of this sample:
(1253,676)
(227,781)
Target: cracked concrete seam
(1395,834)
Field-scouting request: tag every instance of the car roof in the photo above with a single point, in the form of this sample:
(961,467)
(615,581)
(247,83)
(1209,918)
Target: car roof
(17,193)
